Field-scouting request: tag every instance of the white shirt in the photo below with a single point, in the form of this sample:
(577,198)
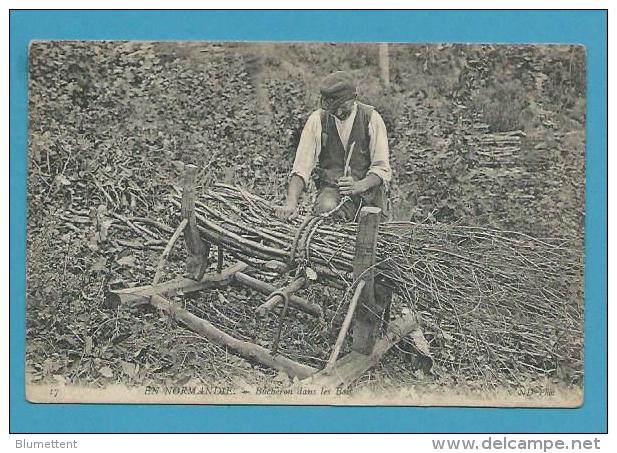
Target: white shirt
(309,147)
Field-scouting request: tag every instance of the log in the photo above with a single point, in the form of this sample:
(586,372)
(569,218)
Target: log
(276,299)
(141,294)
(265,288)
(349,368)
(249,351)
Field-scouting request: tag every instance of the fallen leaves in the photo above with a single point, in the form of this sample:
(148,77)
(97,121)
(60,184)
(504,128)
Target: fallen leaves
(106,372)
(129,369)
(99,265)
(112,124)
(126,261)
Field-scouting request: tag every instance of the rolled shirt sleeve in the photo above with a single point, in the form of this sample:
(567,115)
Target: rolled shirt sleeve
(309,147)
(378,149)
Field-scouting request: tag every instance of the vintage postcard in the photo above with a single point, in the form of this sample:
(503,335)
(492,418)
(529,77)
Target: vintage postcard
(306,223)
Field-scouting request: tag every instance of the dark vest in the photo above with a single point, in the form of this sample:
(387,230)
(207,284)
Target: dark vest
(333,155)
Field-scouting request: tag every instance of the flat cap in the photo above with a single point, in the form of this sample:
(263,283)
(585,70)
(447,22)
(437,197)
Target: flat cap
(336,84)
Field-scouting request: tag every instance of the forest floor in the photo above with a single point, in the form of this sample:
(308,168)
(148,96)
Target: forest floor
(479,135)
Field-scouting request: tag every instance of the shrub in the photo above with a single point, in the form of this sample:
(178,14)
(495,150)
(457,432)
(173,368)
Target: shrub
(502,107)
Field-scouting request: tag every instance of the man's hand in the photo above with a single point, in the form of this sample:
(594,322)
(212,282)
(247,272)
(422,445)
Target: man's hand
(347,186)
(288,211)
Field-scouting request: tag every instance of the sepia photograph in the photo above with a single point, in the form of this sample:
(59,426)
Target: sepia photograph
(305,223)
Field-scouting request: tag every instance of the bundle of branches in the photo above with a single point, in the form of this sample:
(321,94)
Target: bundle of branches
(496,305)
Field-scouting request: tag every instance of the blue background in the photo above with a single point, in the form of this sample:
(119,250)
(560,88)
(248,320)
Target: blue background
(588,28)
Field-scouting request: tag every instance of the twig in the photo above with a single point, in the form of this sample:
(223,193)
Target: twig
(167,250)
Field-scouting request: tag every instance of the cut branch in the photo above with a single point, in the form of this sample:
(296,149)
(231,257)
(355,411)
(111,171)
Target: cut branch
(345,327)
(277,297)
(346,370)
(141,294)
(265,288)
(167,250)
(249,351)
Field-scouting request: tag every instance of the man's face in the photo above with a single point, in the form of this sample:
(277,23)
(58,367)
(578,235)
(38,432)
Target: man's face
(341,111)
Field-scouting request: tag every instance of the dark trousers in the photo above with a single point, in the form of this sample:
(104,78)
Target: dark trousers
(329,197)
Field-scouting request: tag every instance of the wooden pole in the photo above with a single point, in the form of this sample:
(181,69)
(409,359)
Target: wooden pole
(165,254)
(249,351)
(141,294)
(197,250)
(266,288)
(368,315)
(345,327)
(276,299)
(349,368)
(384,64)
(219,258)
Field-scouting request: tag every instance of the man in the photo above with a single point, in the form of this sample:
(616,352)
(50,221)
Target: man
(346,143)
